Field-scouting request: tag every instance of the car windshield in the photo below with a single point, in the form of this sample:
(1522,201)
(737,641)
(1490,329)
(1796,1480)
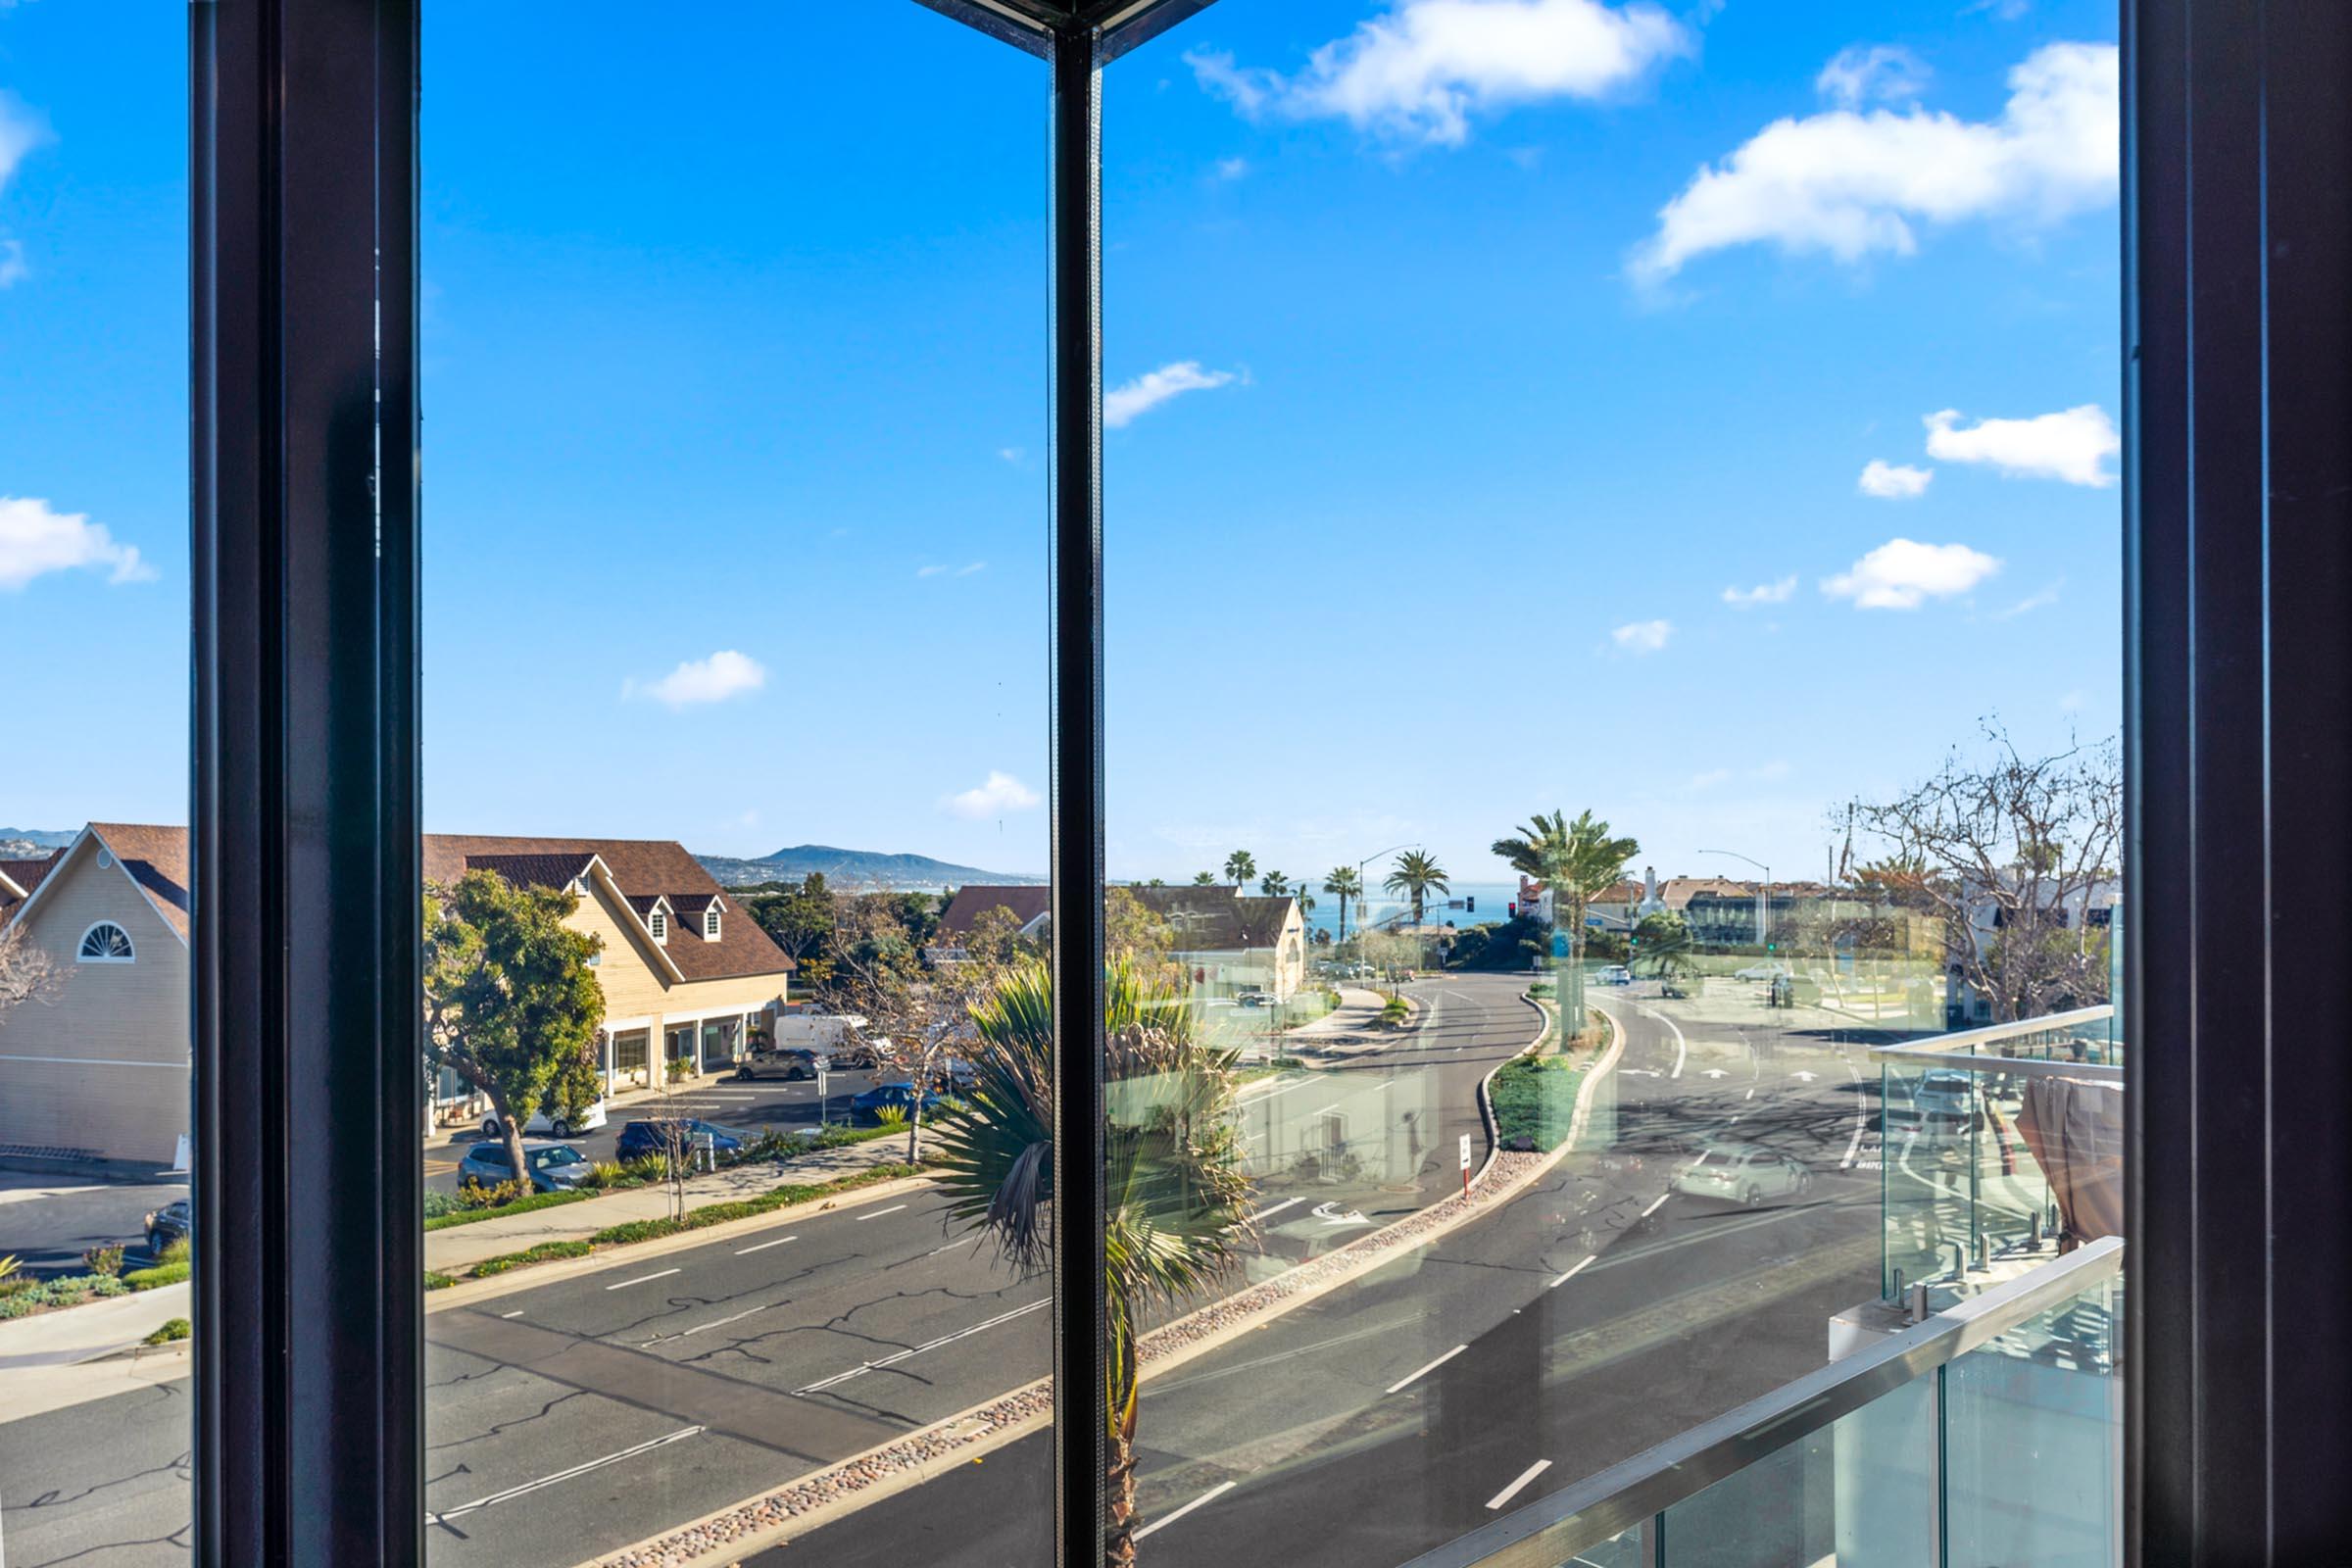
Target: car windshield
(542,1158)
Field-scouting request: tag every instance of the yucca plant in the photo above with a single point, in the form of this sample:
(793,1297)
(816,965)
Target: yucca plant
(1176,1196)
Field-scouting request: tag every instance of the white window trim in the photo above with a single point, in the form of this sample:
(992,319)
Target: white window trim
(657,922)
(80,956)
(711,923)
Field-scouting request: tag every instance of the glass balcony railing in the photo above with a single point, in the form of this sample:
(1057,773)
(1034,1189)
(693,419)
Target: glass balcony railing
(1989,1434)
(2001,1146)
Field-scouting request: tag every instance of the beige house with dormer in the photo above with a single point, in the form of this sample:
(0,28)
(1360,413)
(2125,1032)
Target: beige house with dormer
(100,1071)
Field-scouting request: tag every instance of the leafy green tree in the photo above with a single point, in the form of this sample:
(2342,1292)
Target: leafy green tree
(1417,876)
(799,919)
(1343,883)
(1240,867)
(1661,945)
(511,1003)
(1578,861)
(1176,1195)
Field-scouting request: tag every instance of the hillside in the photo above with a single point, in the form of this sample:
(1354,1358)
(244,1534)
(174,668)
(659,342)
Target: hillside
(852,868)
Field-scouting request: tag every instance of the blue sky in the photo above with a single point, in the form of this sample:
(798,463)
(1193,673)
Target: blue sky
(1469,361)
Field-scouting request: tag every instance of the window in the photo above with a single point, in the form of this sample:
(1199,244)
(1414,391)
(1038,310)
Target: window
(659,921)
(711,923)
(106,943)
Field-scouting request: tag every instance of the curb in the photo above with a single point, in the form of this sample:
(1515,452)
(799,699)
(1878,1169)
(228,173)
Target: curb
(1003,1420)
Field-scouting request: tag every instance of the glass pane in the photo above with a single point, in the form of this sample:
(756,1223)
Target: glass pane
(1612,611)
(95,904)
(735,667)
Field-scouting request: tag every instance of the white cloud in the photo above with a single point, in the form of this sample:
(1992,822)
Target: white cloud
(1123,405)
(951,571)
(722,675)
(2040,600)
(1903,574)
(1232,167)
(12,262)
(1002,793)
(1421,69)
(1643,636)
(35,540)
(1011,454)
(20,131)
(2072,445)
(1709,779)
(1894,481)
(1872,73)
(1851,182)
(1776,592)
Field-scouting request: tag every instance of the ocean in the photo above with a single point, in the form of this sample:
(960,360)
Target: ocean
(1494,906)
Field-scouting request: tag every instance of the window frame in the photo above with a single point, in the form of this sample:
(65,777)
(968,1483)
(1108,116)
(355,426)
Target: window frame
(81,947)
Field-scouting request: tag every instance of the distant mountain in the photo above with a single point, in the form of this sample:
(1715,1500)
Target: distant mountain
(853,869)
(30,843)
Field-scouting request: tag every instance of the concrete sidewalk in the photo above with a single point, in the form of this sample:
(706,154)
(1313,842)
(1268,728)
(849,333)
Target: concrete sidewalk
(1353,1025)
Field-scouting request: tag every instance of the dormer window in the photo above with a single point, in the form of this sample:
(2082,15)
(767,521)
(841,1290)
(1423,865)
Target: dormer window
(658,923)
(711,923)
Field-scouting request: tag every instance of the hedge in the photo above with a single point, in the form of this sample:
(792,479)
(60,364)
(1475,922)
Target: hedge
(147,1279)
(1535,1097)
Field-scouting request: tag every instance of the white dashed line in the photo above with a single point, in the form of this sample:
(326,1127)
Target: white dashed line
(1276,1208)
(762,1247)
(497,1498)
(517,1312)
(879,1212)
(1210,1495)
(1426,1370)
(642,1279)
(1512,1491)
(946,1339)
(1571,1273)
(1654,1208)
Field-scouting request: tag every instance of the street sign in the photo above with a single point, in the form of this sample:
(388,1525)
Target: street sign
(1465,1165)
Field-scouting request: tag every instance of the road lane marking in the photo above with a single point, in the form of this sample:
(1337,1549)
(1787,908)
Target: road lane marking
(1512,1491)
(763,1247)
(1682,1047)
(823,1384)
(1210,1495)
(1276,1208)
(1660,1204)
(642,1279)
(879,1212)
(1854,1145)
(715,1323)
(442,1515)
(1426,1370)
(1750,1094)
(950,1248)
(517,1312)
(1571,1273)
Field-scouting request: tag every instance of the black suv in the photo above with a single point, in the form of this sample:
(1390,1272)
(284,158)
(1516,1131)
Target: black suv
(168,1224)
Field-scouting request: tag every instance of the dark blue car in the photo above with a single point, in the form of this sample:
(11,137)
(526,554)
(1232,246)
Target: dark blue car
(869,1105)
(684,1136)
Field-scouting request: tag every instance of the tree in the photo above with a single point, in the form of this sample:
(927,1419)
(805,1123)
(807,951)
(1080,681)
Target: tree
(1661,944)
(1176,1195)
(1343,883)
(1576,862)
(798,918)
(2013,854)
(1240,867)
(1417,876)
(1274,884)
(511,1003)
(1134,933)
(27,973)
(1204,879)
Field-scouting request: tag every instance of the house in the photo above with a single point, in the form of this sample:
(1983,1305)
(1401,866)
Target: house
(101,1071)
(1229,940)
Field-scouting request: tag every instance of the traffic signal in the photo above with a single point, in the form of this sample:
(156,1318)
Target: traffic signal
(1470,903)
(1514,909)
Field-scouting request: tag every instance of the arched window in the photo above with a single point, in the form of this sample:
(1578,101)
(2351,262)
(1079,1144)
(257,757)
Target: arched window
(106,943)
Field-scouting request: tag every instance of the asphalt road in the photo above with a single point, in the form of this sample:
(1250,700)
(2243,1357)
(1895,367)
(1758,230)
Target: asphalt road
(1593,1316)
(572,1417)
(47,1220)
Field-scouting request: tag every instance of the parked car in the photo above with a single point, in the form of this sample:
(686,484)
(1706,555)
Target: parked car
(544,1124)
(1762,971)
(858,1051)
(789,1064)
(954,1076)
(1941,1094)
(174,1222)
(1679,986)
(1252,997)
(869,1105)
(554,1167)
(1742,1173)
(1615,974)
(683,1133)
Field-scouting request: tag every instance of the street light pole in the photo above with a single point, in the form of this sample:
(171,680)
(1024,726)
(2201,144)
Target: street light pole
(1764,903)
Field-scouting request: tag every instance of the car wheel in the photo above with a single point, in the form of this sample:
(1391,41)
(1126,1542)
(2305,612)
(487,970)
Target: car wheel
(1754,1195)
(1804,1181)
(489,1126)
(744,1075)
(560,1128)
(154,1243)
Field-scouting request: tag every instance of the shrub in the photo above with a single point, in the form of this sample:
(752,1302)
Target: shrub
(636,1230)
(148,1279)
(491,1194)
(438,1203)
(436,1281)
(891,1118)
(604,1175)
(545,1251)
(645,1168)
(174,1251)
(176,1327)
(520,1205)
(106,1259)
(1543,989)
(1533,1097)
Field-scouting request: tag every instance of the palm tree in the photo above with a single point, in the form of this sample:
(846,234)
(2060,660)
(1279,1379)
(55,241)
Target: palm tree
(1204,879)
(1343,882)
(1578,861)
(1176,1198)
(1273,884)
(1417,875)
(1240,867)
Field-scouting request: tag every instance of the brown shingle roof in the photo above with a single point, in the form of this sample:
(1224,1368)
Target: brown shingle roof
(18,879)
(974,899)
(643,870)
(533,870)
(157,860)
